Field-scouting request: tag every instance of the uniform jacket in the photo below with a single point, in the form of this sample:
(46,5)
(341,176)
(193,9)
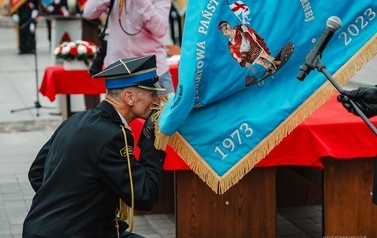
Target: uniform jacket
(80,173)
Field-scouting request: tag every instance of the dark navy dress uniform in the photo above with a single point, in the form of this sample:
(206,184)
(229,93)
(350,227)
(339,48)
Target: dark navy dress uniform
(81,172)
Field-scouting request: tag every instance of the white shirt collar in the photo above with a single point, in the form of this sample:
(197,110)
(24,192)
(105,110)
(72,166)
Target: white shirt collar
(122,118)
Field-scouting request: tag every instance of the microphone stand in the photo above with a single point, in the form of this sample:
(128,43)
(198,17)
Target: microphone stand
(322,68)
(37,104)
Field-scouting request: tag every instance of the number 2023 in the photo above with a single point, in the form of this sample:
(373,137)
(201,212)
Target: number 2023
(353,30)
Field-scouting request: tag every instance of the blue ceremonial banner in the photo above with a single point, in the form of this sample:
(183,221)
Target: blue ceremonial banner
(238,94)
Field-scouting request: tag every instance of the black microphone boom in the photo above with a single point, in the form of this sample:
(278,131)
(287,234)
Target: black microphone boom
(332,24)
(313,61)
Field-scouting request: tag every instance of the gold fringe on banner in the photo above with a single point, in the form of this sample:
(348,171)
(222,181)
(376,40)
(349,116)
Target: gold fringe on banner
(221,184)
(161,139)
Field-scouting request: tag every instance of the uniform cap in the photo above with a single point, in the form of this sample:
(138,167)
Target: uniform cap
(131,72)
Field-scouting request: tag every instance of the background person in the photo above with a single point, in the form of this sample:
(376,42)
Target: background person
(87,165)
(136,28)
(25,18)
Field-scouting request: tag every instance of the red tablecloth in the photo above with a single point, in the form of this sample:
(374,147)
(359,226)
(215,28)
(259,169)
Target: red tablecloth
(56,80)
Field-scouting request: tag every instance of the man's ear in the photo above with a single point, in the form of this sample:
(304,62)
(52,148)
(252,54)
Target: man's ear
(128,97)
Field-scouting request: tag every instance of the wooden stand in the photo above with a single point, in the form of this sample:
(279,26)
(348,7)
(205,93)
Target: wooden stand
(248,209)
(348,209)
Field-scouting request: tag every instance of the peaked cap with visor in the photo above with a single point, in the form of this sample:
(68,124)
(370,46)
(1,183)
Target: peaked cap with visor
(132,72)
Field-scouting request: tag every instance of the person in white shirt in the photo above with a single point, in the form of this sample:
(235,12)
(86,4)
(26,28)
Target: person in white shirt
(136,28)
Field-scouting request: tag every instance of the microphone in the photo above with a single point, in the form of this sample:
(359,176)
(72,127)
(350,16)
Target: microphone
(332,24)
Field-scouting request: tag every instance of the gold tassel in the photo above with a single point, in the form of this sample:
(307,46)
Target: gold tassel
(161,140)
(123,210)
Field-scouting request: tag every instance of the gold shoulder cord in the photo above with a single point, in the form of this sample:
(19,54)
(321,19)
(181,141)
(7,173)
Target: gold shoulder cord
(125,212)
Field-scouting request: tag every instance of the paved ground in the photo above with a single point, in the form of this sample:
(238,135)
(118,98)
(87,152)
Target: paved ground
(22,133)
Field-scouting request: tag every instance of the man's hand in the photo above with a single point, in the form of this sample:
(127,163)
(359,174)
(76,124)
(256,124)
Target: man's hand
(365,98)
(148,130)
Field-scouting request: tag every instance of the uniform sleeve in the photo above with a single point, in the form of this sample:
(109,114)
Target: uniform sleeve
(156,15)
(36,170)
(37,167)
(146,173)
(94,8)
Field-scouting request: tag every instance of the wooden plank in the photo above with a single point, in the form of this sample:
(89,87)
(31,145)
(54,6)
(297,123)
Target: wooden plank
(348,209)
(248,209)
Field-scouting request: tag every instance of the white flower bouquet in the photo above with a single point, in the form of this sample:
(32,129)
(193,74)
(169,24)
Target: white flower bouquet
(77,50)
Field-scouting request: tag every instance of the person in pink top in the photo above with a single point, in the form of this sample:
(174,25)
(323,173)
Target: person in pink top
(136,28)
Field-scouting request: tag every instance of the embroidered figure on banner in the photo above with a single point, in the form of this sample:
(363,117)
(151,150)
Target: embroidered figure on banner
(247,47)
